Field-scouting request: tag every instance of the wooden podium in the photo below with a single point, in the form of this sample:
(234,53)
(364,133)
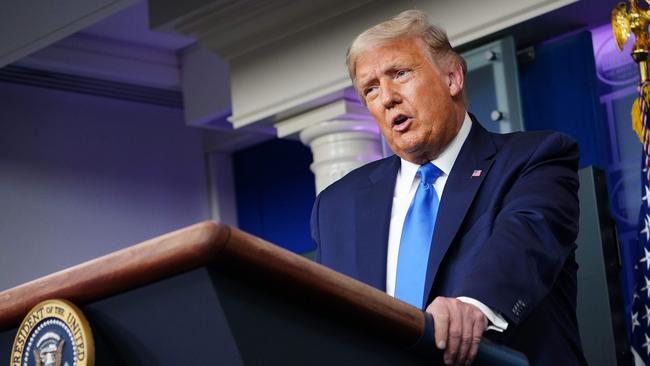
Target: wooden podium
(211,294)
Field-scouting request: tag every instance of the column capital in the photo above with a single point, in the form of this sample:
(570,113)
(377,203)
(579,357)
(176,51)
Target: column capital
(340,132)
(343,108)
(340,146)
(339,129)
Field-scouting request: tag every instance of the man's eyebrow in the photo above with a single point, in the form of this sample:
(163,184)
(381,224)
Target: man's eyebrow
(384,70)
(396,65)
(393,66)
(365,81)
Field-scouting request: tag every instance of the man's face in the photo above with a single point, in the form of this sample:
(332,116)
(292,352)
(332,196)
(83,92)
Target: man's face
(415,104)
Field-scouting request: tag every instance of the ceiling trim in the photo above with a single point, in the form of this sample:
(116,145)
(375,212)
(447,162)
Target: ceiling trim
(233,28)
(44,29)
(91,86)
(107,59)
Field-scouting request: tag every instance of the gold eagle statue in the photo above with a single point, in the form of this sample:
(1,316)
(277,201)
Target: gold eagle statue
(620,25)
(624,23)
(636,21)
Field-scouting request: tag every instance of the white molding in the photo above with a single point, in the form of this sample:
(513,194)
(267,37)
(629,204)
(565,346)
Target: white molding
(221,188)
(507,20)
(305,67)
(205,80)
(341,108)
(285,55)
(107,59)
(45,26)
(234,28)
(291,102)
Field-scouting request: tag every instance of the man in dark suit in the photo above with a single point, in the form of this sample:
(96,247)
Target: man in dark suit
(476,228)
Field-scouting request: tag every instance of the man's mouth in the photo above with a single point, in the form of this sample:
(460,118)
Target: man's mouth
(401,122)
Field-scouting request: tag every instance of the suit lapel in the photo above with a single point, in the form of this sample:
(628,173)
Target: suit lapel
(476,154)
(373,206)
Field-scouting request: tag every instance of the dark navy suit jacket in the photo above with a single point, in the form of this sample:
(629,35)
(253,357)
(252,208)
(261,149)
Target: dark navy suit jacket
(505,237)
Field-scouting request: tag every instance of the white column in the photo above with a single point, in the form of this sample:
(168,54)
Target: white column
(340,146)
(341,134)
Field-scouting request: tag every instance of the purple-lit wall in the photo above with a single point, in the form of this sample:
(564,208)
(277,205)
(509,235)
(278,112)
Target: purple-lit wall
(81,176)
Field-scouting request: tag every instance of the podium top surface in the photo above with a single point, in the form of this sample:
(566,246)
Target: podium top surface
(229,249)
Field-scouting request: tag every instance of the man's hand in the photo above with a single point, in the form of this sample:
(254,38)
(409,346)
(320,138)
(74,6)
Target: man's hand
(458,329)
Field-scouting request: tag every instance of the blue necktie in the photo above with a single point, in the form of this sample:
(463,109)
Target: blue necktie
(415,242)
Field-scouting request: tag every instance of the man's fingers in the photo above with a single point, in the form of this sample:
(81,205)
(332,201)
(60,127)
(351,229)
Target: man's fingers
(480,323)
(467,333)
(458,329)
(455,331)
(440,314)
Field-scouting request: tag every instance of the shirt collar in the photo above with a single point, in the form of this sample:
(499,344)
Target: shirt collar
(444,161)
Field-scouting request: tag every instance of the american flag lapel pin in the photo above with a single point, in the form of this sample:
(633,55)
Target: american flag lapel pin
(477,173)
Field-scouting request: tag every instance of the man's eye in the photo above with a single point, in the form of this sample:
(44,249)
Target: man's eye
(369,90)
(401,73)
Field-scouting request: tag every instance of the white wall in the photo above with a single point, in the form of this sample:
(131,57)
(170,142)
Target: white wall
(81,176)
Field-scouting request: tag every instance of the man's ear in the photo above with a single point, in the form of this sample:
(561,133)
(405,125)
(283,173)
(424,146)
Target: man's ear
(456,80)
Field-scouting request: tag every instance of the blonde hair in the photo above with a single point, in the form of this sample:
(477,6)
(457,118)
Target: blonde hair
(407,24)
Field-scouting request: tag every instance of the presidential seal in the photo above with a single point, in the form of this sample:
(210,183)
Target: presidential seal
(54,333)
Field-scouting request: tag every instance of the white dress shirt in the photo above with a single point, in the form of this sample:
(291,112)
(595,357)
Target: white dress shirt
(405,188)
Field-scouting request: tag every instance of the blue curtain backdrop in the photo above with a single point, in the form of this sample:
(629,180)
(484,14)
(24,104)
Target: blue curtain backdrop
(275,191)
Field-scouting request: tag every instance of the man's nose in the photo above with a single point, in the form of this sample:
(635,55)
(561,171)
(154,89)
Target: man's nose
(389,95)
